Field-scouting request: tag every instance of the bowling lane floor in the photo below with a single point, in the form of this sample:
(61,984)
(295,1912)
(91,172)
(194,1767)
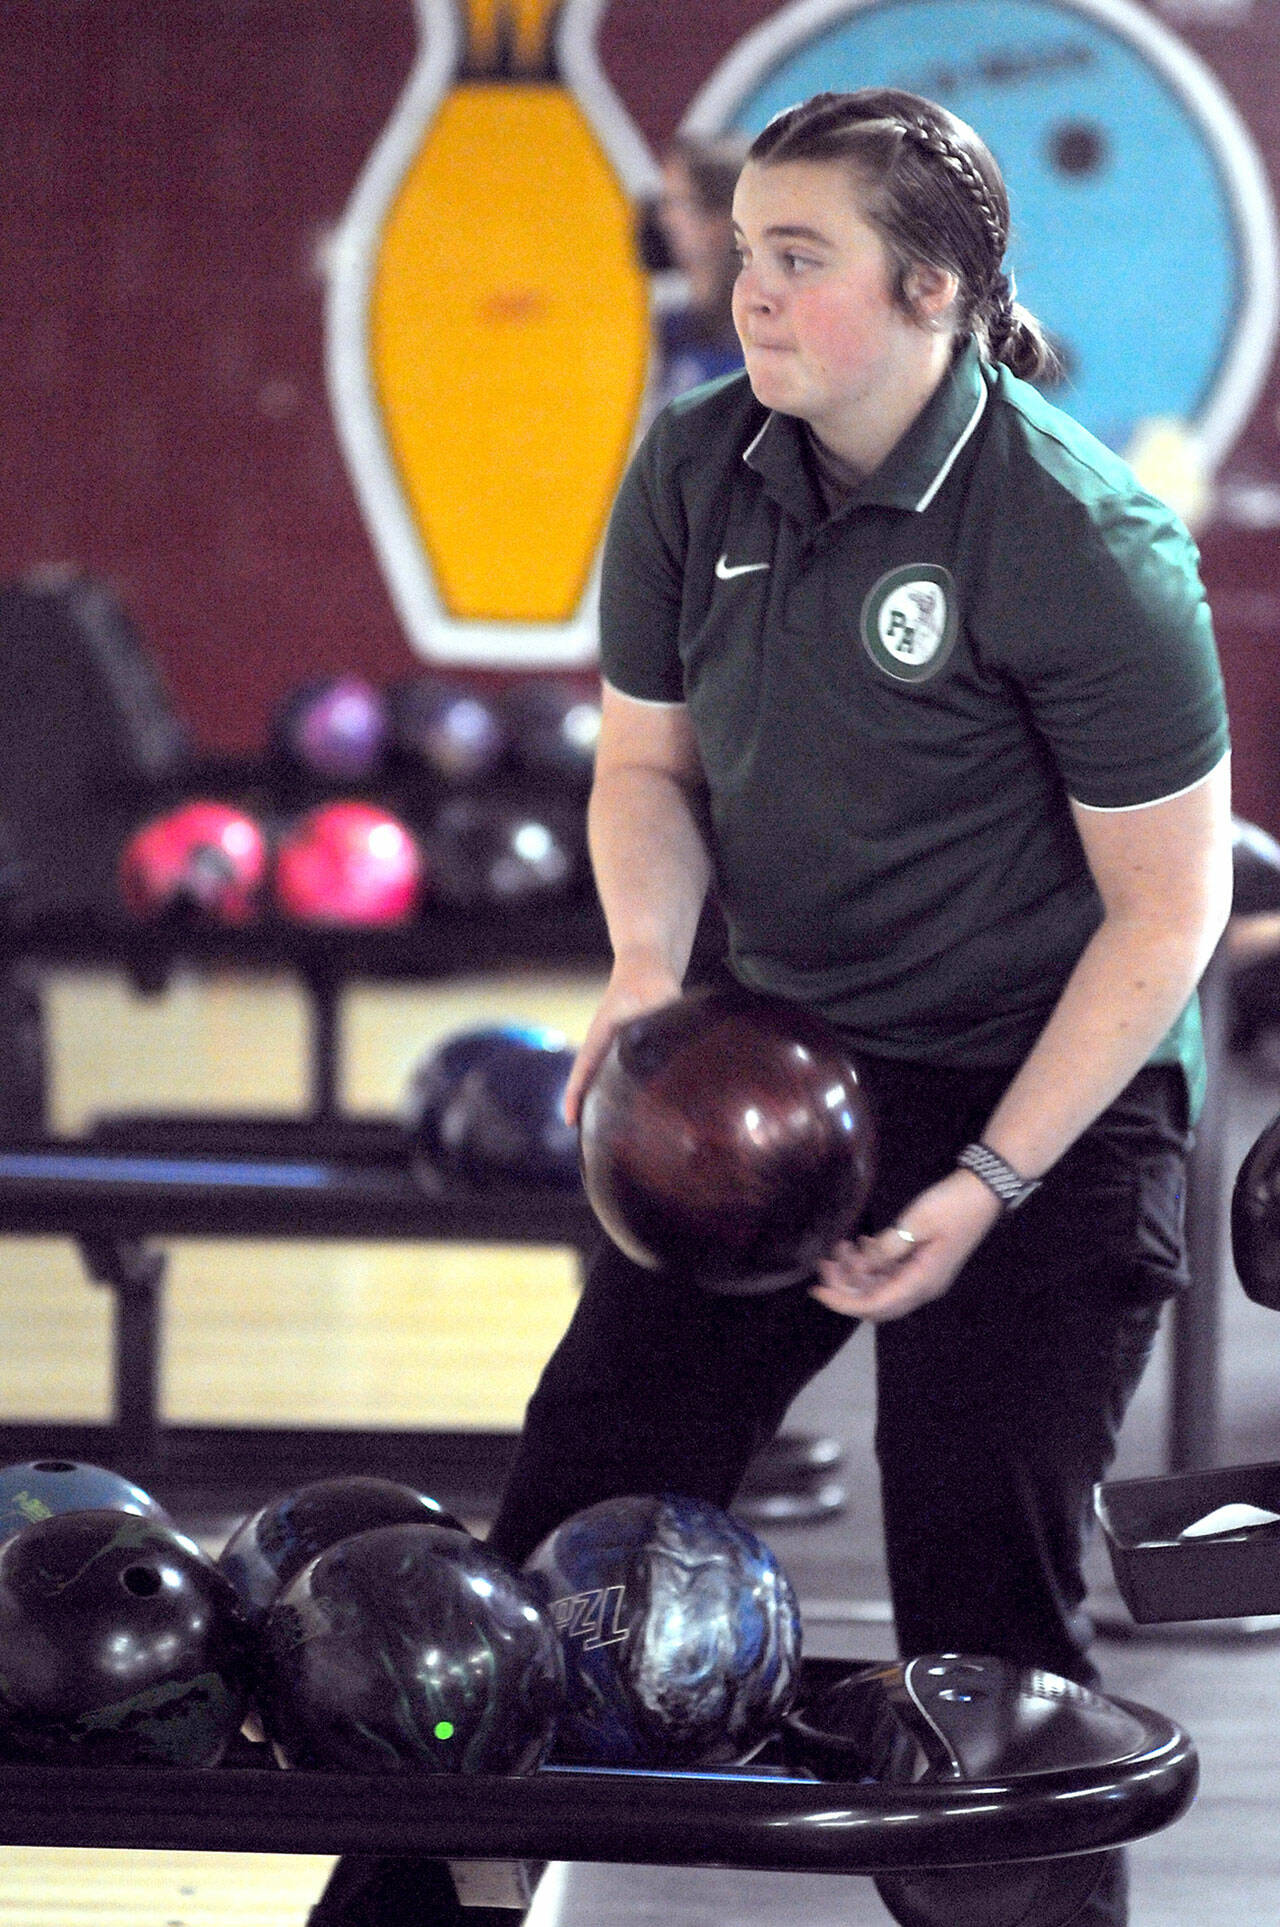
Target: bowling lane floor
(1220,1865)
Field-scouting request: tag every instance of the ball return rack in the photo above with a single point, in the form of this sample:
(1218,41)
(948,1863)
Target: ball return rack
(135,1181)
(759,1818)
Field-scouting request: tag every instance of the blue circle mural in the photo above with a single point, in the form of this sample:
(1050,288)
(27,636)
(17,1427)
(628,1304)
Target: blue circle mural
(1141,233)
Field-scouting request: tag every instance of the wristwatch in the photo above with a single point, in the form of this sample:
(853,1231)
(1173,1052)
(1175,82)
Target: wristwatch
(997,1174)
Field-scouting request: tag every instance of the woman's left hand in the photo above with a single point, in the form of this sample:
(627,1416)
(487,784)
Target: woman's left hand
(897,1270)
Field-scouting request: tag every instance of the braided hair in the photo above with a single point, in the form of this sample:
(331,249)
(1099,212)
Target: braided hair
(937,197)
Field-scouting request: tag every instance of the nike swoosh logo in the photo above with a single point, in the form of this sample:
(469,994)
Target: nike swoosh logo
(726,570)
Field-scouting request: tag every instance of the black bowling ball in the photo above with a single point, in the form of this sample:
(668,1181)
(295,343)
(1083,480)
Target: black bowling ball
(728,1136)
(554,726)
(1255,866)
(121,1644)
(949,1718)
(276,1541)
(1255,1219)
(502,852)
(410,1648)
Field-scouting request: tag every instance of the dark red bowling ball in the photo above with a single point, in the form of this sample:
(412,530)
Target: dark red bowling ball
(121,1644)
(410,1648)
(276,1541)
(728,1136)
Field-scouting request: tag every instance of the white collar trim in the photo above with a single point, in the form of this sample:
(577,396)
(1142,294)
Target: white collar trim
(956,447)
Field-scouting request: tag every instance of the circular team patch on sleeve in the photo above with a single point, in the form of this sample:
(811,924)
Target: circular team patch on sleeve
(909,621)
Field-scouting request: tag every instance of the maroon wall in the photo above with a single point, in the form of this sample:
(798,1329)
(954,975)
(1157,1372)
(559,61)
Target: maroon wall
(170,173)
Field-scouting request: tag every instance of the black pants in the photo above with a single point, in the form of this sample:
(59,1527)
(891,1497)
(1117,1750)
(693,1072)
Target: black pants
(998,1407)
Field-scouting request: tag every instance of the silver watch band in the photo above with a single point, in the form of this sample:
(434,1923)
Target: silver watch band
(997,1174)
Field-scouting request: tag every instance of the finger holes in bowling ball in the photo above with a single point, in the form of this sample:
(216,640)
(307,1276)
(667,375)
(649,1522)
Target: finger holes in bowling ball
(640,1050)
(142,1582)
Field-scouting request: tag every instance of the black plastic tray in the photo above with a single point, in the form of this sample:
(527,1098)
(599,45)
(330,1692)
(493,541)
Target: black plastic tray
(1162,1577)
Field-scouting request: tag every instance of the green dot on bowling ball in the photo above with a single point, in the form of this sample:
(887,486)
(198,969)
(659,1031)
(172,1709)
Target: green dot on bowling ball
(443,1729)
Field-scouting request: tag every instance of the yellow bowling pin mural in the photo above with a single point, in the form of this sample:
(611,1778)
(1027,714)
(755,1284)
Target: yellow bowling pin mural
(489,332)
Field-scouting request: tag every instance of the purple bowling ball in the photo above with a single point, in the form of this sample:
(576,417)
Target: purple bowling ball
(336,729)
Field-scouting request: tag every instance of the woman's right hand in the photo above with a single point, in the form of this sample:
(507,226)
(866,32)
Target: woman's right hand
(634,987)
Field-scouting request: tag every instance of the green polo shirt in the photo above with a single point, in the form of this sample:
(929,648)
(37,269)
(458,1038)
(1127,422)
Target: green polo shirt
(895,702)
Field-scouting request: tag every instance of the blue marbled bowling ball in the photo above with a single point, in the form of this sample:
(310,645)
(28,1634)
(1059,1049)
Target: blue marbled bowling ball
(680,1629)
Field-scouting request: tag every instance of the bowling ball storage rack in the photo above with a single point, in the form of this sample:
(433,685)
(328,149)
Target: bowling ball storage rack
(758,1817)
(131,1182)
(115,1211)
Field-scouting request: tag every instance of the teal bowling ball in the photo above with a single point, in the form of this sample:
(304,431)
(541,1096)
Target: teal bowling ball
(39,1488)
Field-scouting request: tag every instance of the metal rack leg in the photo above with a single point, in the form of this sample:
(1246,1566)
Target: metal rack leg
(1194,1391)
(134,1273)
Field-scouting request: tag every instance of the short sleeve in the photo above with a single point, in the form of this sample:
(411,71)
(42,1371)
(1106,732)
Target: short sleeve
(642,583)
(1111,641)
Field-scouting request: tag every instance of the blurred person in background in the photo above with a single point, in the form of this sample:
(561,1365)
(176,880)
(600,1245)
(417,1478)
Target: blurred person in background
(686,235)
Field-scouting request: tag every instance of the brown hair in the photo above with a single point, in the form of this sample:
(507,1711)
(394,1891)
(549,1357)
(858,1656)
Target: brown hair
(713,167)
(936,197)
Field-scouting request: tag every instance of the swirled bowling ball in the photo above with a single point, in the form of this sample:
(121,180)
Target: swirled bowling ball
(410,1648)
(39,1488)
(348,865)
(334,728)
(276,1541)
(121,1644)
(485,1108)
(446,731)
(728,1136)
(680,1629)
(206,861)
(944,1719)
